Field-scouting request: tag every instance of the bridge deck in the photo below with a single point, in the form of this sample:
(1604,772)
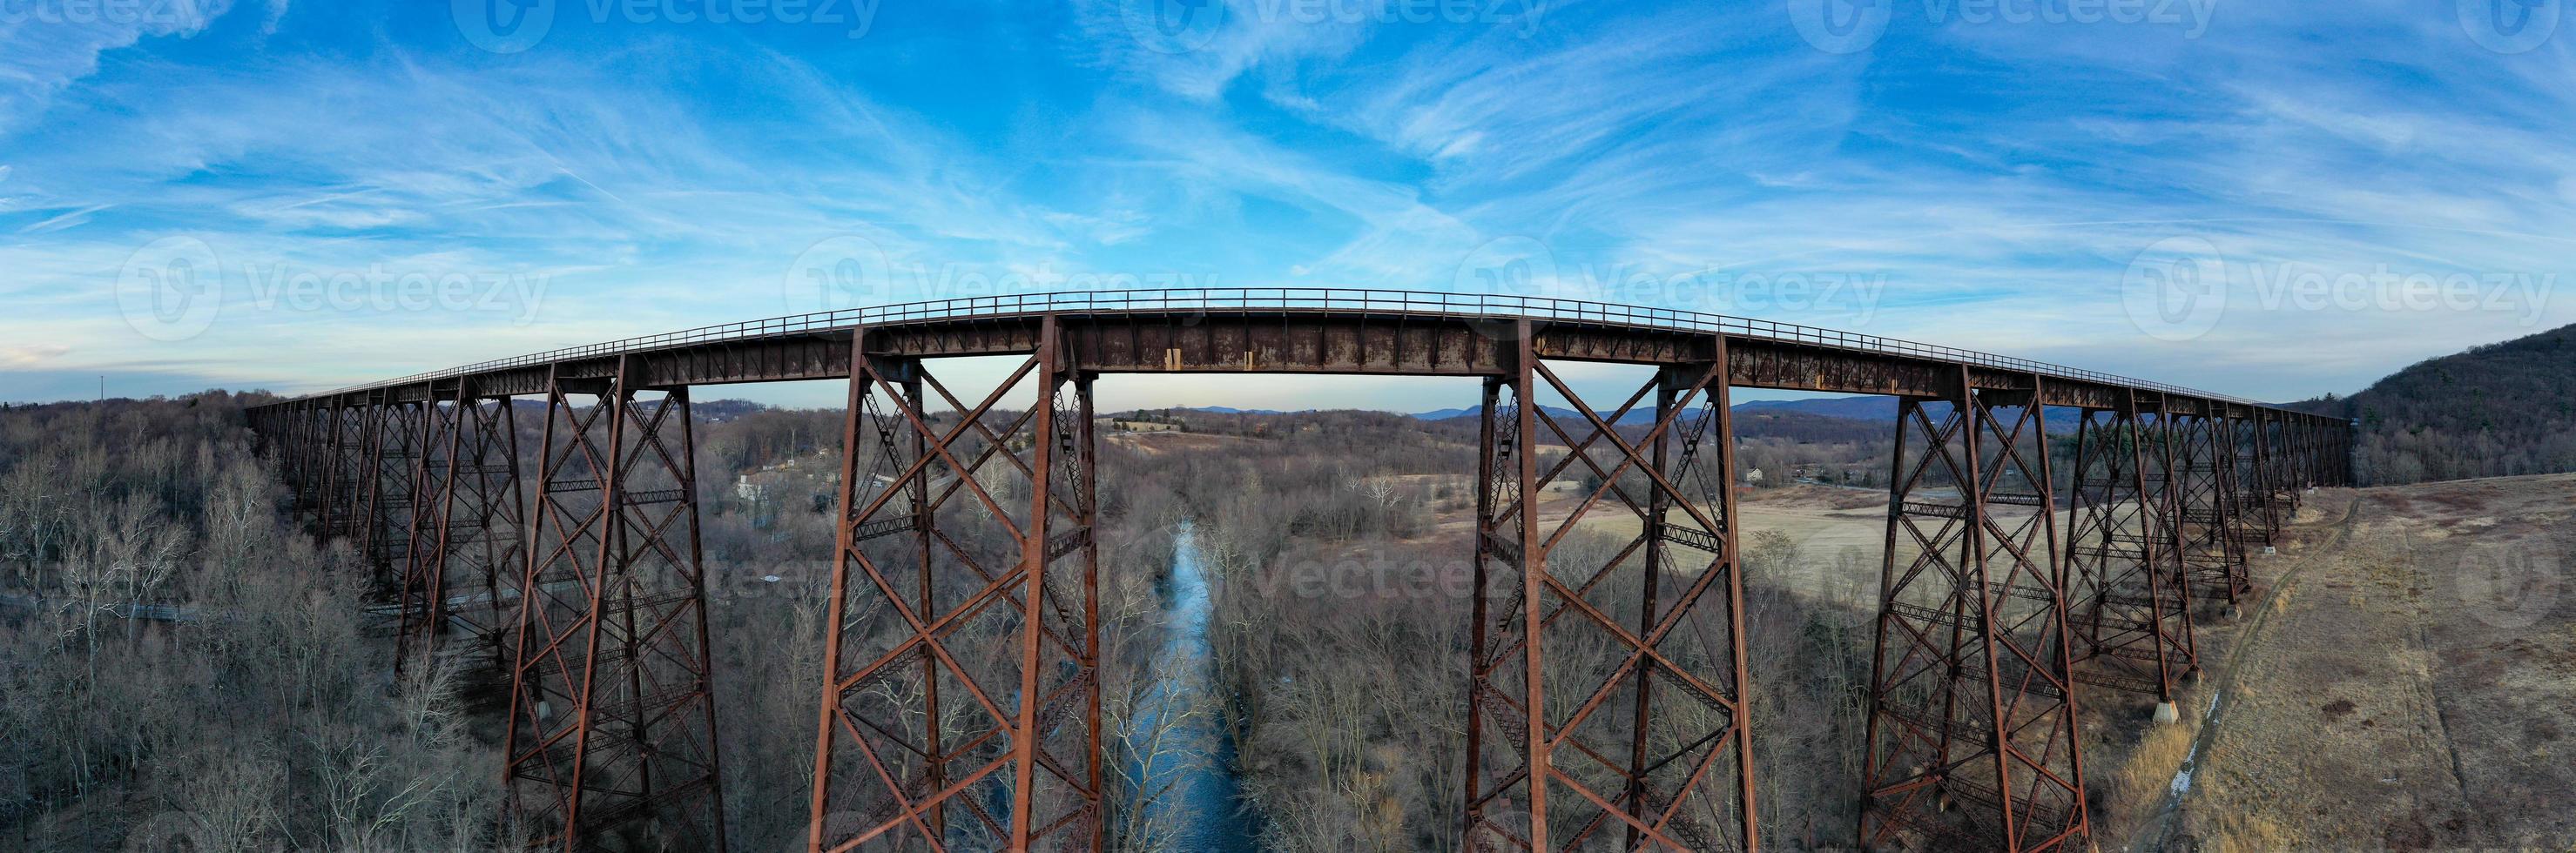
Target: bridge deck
(1291,330)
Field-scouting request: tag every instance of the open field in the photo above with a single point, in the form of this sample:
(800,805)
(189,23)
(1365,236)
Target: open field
(1823,522)
(2412,685)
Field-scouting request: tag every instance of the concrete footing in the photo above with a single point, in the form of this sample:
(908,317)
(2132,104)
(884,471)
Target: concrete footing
(2167,713)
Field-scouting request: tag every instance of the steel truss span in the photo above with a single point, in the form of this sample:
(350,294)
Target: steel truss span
(959,706)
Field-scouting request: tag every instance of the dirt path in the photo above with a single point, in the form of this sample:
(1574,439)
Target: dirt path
(2158,831)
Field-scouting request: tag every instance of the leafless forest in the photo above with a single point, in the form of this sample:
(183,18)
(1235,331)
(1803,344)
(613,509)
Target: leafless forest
(187,670)
(184,670)
(1344,550)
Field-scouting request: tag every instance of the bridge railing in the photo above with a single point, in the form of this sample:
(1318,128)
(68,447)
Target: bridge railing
(1473,305)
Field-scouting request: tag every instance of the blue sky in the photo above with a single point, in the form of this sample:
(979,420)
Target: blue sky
(2265,199)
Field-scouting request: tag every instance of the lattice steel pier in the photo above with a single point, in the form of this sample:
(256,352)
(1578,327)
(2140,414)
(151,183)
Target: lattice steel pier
(960,705)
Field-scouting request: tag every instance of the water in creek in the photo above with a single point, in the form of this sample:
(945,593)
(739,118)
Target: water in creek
(1198,802)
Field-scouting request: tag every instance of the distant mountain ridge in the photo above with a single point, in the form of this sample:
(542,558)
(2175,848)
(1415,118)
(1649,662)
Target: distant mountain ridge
(2499,410)
(1869,408)
(1229,410)
(1849,408)
(1642,415)
(1864,409)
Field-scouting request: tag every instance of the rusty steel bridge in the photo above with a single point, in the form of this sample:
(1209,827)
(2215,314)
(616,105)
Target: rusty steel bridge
(960,706)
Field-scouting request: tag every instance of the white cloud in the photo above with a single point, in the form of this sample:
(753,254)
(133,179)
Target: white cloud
(1999,178)
(47,46)
(30,355)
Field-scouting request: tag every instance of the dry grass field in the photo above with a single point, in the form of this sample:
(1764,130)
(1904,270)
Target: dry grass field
(1825,524)
(2410,685)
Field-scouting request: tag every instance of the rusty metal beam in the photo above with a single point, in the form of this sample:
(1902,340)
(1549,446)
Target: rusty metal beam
(463,576)
(1972,736)
(1305,340)
(984,596)
(2133,623)
(612,732)
(387,489)
(2213,555)
(1543,771)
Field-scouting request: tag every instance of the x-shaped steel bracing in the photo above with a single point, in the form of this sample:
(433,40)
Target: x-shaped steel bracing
(1972,735)
(612,725)
(1613,757)
(961,707)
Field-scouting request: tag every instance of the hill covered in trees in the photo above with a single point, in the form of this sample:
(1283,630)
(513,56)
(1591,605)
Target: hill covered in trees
(2500,410)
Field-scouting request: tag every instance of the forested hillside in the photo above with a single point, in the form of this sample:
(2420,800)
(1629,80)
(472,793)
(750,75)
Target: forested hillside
(183,669)
(2499,410)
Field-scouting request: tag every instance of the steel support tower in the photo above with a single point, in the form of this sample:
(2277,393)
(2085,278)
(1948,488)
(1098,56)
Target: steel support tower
(959,703)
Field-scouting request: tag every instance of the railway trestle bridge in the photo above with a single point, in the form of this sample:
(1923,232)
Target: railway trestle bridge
(959,706)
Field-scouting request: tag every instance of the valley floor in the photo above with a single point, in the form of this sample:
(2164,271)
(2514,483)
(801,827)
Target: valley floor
(2409,682)
(2402,678)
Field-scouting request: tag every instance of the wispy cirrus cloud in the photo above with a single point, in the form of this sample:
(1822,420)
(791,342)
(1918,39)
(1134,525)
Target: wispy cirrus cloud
(1995,183)
(54,44)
